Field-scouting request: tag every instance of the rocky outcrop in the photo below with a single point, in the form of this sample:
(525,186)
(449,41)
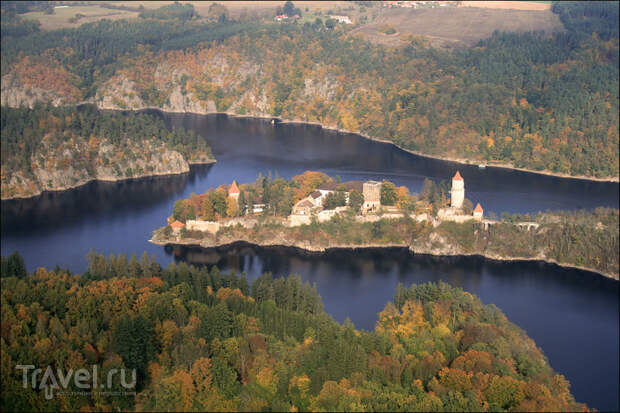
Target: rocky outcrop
(56,169)
(15,94)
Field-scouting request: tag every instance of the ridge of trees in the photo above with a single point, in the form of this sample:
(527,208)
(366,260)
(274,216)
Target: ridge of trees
(203,340)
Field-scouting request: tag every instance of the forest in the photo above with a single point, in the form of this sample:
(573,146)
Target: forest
(87,140)
(529,100)
(203,340)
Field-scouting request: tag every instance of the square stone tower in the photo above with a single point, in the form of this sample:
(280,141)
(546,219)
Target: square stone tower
(372,194)
(457,194)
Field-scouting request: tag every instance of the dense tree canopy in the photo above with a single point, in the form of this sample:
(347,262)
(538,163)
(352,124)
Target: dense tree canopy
(203,340)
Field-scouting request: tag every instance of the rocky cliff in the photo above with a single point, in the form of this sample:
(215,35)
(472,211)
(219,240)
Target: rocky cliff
(73,164)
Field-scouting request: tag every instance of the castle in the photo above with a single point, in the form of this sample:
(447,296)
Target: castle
(457,197)
(313,206)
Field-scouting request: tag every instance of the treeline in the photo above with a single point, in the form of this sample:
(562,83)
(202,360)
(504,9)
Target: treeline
(94,49)
(599,17)
(23,131)
(202,340)
(175,10)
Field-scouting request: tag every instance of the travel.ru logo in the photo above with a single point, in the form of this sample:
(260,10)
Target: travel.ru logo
(82,378)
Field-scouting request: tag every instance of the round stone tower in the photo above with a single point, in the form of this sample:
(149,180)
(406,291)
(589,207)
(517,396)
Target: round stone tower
(457,194)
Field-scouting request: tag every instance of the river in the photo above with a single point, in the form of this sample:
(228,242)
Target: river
(572,315)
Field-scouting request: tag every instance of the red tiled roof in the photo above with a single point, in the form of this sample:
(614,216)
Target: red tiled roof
(478,208)
(177,224)
(457,177)
(234,189)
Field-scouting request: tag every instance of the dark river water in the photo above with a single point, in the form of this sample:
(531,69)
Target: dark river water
(572,315)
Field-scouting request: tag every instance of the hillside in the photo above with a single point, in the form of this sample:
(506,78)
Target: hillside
(202,340)
(528,100)
(55,148)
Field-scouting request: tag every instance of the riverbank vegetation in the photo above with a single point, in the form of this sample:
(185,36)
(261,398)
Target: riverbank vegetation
(48,148)
(530,100)
(203,340)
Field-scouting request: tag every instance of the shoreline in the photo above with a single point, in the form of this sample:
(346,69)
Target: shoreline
(152,175)
(322,250)
(462,161)
(279,120)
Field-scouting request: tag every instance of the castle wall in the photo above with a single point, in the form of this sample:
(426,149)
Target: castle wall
(204,226)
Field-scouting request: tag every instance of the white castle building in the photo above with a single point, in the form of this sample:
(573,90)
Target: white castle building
(457,194)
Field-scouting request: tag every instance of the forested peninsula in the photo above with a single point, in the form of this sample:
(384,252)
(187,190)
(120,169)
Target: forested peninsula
(206,341)
(51,148)
(536,101)
(277,212)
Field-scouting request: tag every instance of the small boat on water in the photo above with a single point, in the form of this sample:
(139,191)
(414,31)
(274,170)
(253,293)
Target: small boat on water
(273,121)
(482,166)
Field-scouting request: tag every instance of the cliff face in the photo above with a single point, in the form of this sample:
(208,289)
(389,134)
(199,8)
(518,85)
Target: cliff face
(172,88)
(14,93)
(206,82)
(75,163)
